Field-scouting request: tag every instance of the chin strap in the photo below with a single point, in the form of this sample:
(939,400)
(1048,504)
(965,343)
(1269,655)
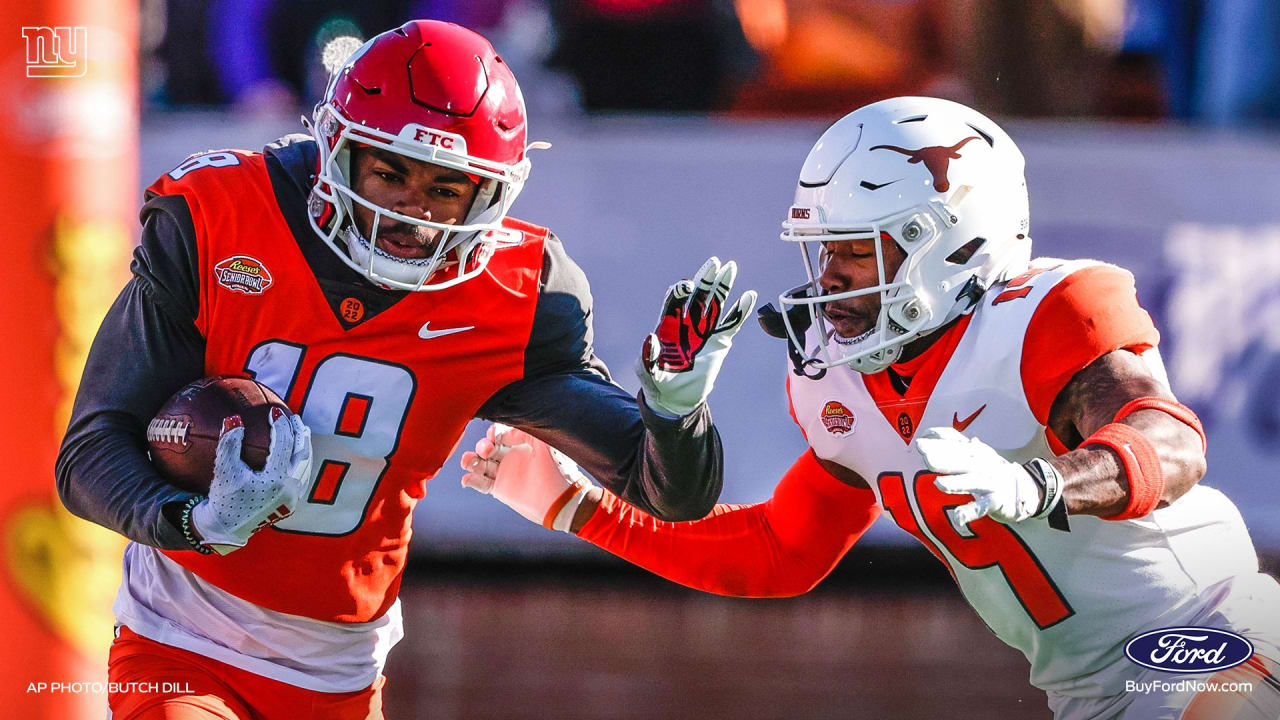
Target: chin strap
(774,325)
(972,293)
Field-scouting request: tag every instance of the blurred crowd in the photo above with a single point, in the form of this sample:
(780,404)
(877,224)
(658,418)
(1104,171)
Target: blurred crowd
(1212,62)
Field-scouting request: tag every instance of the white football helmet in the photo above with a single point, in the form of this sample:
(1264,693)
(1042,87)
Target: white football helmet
(935,177)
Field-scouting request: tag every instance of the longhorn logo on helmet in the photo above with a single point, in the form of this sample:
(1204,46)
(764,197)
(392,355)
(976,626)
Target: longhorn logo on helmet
(936,158)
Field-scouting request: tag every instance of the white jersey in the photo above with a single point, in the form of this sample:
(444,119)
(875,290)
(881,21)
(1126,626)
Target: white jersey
(163,601)
(1069,600)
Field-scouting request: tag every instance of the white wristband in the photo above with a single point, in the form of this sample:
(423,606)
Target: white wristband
(1050,482)
(564,518)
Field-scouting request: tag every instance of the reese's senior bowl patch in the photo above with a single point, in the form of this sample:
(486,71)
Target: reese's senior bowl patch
(838,418)
(242,273)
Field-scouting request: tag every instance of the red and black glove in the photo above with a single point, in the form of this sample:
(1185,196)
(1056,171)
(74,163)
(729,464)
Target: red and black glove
(681,358)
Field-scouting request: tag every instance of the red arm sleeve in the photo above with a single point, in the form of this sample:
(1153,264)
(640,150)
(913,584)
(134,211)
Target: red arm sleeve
(781,547)
(1088,314)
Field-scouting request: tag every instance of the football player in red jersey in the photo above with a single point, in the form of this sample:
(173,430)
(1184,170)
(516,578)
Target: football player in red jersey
(370,275)
(1075,524)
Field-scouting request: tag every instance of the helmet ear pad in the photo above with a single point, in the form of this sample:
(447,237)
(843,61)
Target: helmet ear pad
(488,194)
(345,162)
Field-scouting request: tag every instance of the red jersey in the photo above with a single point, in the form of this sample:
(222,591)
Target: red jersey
(231,278)
(386,398)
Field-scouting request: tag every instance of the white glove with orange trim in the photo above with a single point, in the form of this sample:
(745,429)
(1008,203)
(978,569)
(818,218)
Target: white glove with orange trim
(527,475)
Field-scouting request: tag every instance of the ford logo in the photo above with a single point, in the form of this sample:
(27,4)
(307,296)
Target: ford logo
(1188,649)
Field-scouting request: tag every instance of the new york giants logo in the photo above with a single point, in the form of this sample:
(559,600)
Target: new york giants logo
(57,52)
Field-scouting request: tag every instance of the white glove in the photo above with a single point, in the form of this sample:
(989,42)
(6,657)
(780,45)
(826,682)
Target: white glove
(681,358)
(1001,489)
(242,501)
(527,475)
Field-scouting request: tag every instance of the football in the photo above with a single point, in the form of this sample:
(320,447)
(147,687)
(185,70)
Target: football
(183,436)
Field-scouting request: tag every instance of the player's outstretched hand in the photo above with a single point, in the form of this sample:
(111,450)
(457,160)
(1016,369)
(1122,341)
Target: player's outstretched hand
(681,358)
(241,500)
(527,475)
(1001,489)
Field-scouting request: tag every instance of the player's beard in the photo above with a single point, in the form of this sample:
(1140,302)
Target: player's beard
(405,241)
(850,319)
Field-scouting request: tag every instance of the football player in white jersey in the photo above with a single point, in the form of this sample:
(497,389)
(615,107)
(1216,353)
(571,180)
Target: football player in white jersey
(1073,525)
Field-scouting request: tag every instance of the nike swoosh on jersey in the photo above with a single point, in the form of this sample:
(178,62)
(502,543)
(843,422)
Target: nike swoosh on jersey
(959,424)
(426,333)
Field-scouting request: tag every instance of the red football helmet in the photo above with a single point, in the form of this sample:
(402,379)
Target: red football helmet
(435,92)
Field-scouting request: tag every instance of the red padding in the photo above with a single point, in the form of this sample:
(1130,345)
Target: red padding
(1141,466)
(1177,410)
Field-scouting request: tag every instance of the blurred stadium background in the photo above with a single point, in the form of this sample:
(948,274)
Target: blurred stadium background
(1150,130)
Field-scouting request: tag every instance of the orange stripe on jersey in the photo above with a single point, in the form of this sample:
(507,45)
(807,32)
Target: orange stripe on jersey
(893,494)
(1086,315)
(992,544)
(904,411)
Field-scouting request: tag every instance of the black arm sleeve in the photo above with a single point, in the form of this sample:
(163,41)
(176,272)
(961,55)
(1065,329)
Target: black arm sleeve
(146,348)
(670,468)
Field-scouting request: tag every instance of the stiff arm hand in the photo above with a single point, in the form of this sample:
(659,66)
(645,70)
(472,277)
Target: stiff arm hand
(527,475)
(681,358)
